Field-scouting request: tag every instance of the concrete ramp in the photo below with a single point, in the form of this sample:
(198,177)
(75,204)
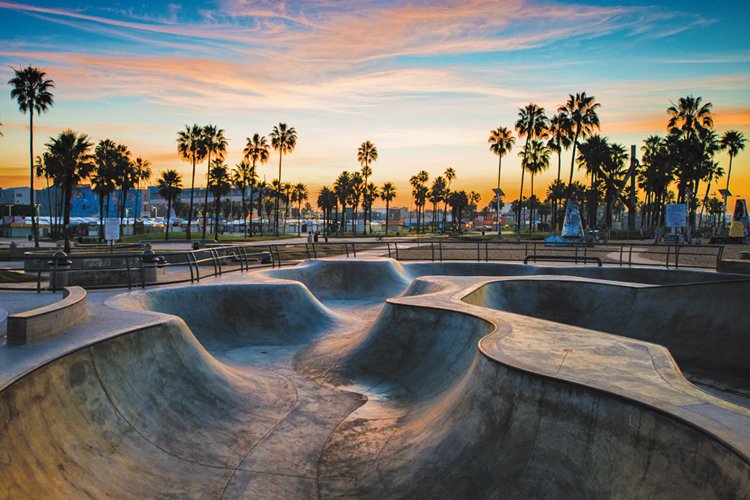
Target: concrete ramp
(344,279)
(699,323)
(144,413)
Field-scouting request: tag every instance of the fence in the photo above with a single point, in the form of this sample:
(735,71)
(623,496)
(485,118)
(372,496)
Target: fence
(140,269)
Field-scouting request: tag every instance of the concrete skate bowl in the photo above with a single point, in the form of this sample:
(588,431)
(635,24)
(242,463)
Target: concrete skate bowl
(403,406)
(699,322)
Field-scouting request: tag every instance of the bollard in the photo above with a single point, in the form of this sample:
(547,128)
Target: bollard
(59,270)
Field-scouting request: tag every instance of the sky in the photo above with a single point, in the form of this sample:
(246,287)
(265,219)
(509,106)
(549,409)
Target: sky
(425,81)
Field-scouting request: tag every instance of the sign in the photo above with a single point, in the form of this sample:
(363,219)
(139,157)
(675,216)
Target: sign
(111,229)
(676,215)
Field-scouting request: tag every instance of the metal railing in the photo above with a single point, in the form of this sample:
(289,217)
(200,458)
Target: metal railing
(139,269)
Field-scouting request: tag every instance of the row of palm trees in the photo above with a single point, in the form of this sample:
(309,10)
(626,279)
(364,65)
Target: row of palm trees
(196,143)
(685,156)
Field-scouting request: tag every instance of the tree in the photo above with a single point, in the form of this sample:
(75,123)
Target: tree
(191,147)
(142,173)
(219,184)
(283,140)
(458,200)
(419,193)
(169,187)
(690,117)
(559,139)
(613,173)
(532,124)
(501,142)
(327,203)
(257,150)
(342,189)
(299,194)
(356,189)
(593,155)
(436,193)
(70,154)
(125,177)
(216,144)
(580,111)
(33,92)
(450,176)
(104,178)
(369,195)
(536,161)
(733,142)
(387,194)
(243,176)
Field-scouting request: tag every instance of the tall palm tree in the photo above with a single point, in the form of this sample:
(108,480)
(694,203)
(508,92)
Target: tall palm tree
(369,195)
(33,92)
(169,187)
(537,161)
(299,194)
(142,173)
(559,139)
(104,178)
(419,193)
(613,173)
(366,154)
(125,176)
(733,141)
(257,150)
(243,176)
(501,141)
(387,193)
(70,152)
(532,124)
(219,184)
(580,110)
(435,195)
(191,147)
(283,140)
(450,176)
(216,144)
(593,155)
(342,189)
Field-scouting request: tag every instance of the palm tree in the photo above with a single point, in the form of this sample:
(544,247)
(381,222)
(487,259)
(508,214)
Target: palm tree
(299,194)
(283,140)
(387,193)
(436,196)
(613,173)
(559,139)
(326,202)
(190,147)
(733,141)
(257,150)
(690,117)
(355,195)
(216,144)
(580,111)
(219,184)
(450,176)
(594,155)
(419,192)
(242,176)
(104,179)
(537,161)
(32,91)
(532,124)
(501,141)
(125,177)
(369,195)
(169,187)
(342,189)
(70,153)
(366,154)
(142,173)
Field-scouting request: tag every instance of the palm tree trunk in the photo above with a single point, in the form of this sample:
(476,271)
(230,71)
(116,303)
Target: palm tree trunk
(49,204)
(217,208)
(276,216)
(205,199)
(34,231)
(192,193)
(169,210)
(101,217)
(724,214)
(66,216)
(556,204)
(531,207)
(386,217)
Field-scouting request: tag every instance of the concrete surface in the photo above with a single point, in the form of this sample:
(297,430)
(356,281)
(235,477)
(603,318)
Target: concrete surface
(374,379)
(47,321)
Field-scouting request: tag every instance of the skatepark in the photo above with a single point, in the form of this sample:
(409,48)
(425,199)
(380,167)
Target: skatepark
(373,378)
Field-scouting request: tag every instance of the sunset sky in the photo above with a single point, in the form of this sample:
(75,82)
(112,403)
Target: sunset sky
(424,81)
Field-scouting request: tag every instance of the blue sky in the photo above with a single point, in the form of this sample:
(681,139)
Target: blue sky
(425,81)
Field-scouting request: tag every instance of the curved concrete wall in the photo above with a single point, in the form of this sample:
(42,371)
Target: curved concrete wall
(48,321)
(700,323)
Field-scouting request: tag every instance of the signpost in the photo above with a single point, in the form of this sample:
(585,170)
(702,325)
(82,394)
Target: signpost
(111,229)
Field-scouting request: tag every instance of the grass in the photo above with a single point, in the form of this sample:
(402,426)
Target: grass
(180,237)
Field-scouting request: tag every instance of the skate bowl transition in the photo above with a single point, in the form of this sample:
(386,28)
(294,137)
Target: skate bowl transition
(376,379)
